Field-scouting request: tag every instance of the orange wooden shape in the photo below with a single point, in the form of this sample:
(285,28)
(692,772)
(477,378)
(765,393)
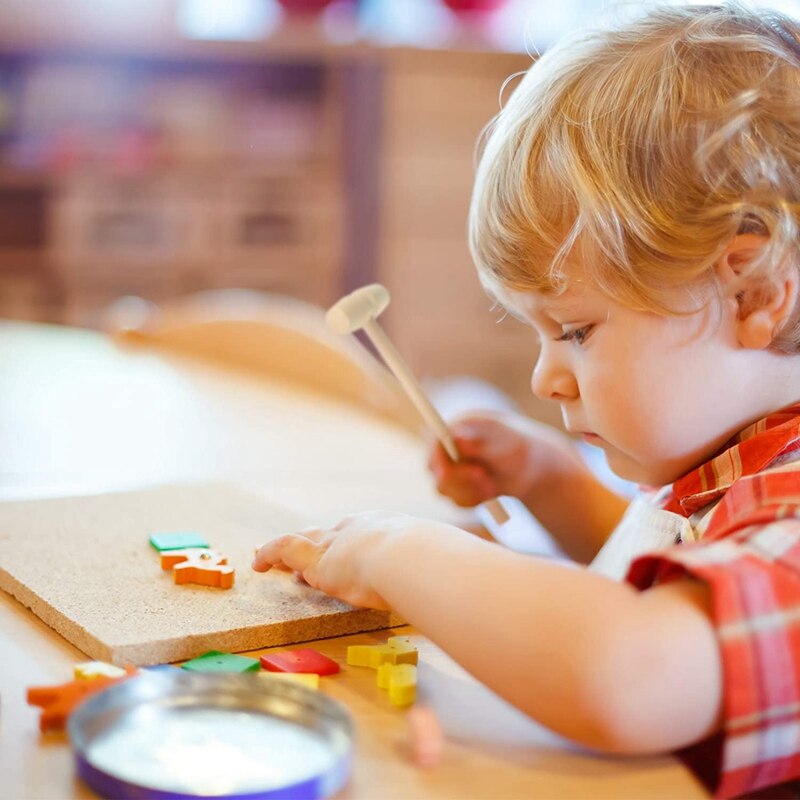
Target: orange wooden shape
(58,702)
(198,565)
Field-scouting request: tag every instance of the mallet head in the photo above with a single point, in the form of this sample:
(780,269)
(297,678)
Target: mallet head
(358,308)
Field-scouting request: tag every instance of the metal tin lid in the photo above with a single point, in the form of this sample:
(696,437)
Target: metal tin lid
(173,734)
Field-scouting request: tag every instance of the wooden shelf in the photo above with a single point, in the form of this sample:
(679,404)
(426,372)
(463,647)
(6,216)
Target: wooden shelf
(382,193)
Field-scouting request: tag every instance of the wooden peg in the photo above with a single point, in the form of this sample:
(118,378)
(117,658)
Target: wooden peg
(58,702)
(200,566)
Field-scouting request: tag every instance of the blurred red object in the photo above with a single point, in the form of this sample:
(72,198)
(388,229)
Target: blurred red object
(304,6)
(473,5)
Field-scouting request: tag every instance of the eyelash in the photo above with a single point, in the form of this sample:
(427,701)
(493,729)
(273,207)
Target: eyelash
(578,335)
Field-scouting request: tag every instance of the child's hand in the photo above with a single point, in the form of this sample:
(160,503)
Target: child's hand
(337,560)
(500,454)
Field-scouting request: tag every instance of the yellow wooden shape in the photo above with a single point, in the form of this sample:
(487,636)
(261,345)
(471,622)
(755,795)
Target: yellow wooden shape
(308,679)
(385,675)
(406,652)
(360,655)
(402,684)
(89,670)
(398,650)
(394,654)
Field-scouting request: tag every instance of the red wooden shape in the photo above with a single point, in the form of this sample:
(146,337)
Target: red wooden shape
(58,702)
(304,660)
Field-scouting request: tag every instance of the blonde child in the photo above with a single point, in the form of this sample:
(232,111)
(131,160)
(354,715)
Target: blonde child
(637,205)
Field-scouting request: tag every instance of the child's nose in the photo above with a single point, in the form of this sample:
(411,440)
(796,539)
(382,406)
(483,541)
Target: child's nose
(553,380)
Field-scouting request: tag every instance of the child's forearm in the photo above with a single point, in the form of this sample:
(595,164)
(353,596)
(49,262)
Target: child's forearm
(585,656)
(578,510)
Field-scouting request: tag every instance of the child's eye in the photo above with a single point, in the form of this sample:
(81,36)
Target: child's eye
(578,335)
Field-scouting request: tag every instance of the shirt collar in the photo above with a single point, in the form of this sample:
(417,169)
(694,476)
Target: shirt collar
(753,449)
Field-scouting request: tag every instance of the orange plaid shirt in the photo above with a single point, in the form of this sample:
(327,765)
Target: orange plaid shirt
(745,505)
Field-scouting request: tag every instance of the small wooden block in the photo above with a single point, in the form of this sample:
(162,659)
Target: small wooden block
(394,654)
(397,650)
(309,679)
(176,541)
(384,673)
(403,684)
(360,655)
(406,652)
(217,661)
(91,670)
(196,565)
(58,702)
(304,660)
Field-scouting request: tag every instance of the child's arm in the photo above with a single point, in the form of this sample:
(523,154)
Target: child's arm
(592,659)
(510,454)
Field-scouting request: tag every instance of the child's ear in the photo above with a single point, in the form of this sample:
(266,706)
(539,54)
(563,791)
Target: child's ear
(763,304)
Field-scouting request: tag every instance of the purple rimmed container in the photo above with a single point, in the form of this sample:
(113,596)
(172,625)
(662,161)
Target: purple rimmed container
(176,735)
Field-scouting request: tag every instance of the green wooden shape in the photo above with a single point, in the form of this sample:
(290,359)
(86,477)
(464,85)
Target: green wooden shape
(176,541)
(217,661)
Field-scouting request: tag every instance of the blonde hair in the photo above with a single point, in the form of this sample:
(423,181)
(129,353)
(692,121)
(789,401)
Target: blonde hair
(646,149)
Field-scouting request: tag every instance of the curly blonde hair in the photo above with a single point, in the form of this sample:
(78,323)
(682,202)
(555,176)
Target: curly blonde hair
(645,150)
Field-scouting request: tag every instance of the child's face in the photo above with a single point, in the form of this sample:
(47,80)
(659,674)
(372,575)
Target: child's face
(658,394)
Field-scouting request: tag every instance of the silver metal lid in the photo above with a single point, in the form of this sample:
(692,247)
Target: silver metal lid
(174,734)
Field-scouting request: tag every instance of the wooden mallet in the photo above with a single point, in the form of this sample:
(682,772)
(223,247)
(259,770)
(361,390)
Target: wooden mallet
(359,310)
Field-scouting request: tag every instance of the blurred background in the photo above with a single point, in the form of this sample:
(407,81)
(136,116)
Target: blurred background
(155,148)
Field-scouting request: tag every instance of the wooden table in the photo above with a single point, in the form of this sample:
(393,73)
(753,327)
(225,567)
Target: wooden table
(78,415)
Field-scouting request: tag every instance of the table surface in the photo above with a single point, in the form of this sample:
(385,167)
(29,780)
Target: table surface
(79,415)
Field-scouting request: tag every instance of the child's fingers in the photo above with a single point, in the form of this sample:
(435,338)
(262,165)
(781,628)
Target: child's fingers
(470,446)
(425,736)
(438,460)
(466,484)
(292,552)
(314,533)
(439,463)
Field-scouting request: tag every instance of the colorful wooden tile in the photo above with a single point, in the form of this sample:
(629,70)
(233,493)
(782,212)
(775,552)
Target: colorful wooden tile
(217,661)
(402,684)
(397,650)
(385,675)
(360,655)
(91,670)
(196,565)
(58,702)
(309,679)
(177,541)
(303,660)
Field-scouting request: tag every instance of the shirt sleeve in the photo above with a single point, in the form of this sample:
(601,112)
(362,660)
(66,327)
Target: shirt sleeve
(754,576)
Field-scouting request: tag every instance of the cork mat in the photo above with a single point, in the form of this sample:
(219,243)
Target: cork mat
(85,567)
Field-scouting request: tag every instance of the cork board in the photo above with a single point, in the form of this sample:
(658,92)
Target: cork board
(85,567)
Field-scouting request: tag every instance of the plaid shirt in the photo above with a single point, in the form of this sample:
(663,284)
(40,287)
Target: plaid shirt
(744,505)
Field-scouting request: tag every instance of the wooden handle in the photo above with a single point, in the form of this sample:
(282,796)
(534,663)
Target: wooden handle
(497,510)
(412,386)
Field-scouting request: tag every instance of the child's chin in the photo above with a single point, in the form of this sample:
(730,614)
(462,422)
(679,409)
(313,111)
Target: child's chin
(638,474)
(629,471)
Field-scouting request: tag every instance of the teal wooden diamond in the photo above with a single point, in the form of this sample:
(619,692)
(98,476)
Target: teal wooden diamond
(177,541)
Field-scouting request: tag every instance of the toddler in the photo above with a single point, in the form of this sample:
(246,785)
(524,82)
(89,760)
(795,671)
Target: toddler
(636,205)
